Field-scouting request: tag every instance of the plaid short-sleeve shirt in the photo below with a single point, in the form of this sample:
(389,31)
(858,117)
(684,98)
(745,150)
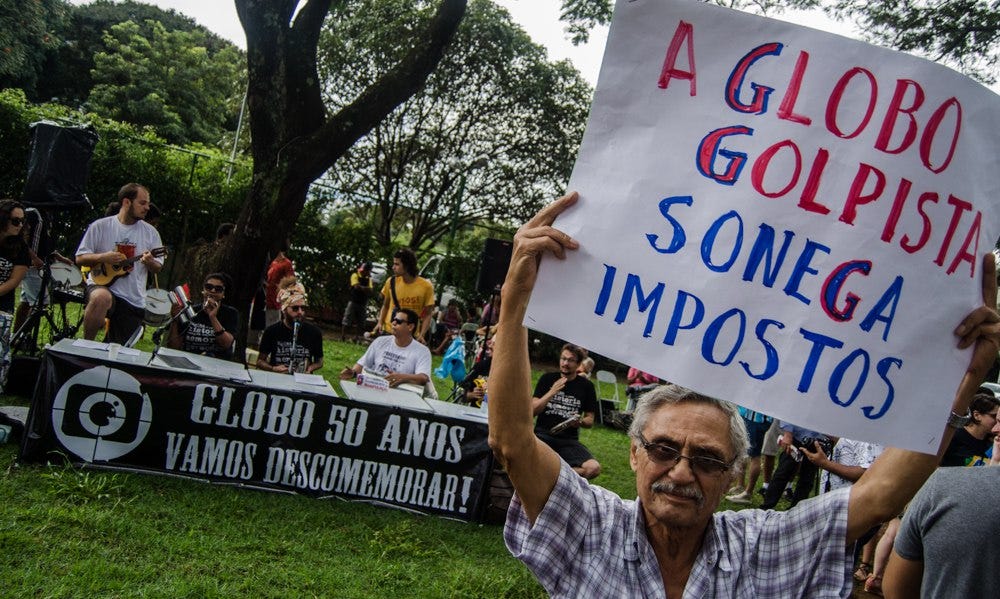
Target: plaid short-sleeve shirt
(588,542)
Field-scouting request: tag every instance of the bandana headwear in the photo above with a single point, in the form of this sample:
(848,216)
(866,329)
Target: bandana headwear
(291,291)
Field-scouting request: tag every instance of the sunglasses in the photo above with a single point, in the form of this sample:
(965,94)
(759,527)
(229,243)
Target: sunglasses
(666,455)
(215,288)
(16,221)
(297,308)
(398,321)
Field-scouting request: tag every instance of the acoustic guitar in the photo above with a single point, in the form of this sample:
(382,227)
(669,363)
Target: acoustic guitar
(106,274)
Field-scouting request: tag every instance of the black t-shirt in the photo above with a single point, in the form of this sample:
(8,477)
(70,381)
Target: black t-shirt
(965,449)
(276,344)
(576,397)
(11,255)
(199,337)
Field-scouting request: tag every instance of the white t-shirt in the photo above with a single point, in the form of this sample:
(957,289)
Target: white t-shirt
(108,234)
(384,356)
(850,453)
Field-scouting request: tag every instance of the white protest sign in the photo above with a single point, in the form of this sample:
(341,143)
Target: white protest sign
(779,217)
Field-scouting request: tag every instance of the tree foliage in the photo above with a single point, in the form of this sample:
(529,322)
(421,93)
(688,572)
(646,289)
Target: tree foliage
(581,16)
(166,80)
(490,137)
(961,33)
(28,30)
(189,188)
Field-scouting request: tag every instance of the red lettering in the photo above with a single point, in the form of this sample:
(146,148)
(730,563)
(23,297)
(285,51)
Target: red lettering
(833,104)
(758,104)
(971,240)
(927,139)
(683,34)
(892,117)
(807,201)
(708,149)
(902,192)
(761,164)
(960,206)
(925,232)
(856,196)
(787,109)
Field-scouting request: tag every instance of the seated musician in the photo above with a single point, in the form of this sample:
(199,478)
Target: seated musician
(212,331)
(120,250)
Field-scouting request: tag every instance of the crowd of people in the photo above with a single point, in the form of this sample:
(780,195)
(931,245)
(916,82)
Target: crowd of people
(688,451)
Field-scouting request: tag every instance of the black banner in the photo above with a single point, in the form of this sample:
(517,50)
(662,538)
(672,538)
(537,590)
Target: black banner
(153,419)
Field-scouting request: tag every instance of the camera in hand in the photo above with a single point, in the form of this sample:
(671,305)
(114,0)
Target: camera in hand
(809,443)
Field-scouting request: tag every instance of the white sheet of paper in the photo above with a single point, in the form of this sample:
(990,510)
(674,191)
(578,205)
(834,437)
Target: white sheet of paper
(313,380)
(736,276)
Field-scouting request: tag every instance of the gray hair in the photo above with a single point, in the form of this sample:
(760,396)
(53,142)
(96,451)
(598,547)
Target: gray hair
(671,394)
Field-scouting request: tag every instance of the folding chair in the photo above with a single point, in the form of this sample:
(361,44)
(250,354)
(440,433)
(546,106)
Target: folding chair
(604,379)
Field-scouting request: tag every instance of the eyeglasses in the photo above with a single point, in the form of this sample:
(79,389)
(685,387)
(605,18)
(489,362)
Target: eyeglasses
(297,308)
(16,221)
(215,288)
(666,455)
(398,321)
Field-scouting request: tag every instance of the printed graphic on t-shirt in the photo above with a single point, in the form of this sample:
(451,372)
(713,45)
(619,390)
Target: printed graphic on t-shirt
(6,269)
(199,338)
(126,248)
(562,405)
(390,361)
(283,355)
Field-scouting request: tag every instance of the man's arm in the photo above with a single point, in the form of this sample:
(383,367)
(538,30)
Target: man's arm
(897,474)
(382,313)
(819,457)
(533,467)
(903,577)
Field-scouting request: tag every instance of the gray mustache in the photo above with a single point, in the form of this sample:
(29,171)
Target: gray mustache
(689,491)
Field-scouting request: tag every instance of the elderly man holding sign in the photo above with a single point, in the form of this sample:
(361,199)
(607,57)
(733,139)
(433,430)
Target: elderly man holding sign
(686,448)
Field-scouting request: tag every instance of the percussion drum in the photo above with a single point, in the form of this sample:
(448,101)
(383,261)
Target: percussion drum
(65,275)
(157,307)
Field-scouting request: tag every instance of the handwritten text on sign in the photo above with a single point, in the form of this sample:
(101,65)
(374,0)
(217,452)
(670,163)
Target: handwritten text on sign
(779,217)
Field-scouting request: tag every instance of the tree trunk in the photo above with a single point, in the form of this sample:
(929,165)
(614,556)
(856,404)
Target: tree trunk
(294,141)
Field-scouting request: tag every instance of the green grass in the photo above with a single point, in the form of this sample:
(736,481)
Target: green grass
(67,532)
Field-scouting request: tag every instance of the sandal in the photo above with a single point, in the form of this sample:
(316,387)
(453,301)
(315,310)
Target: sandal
(874,585)
(863,572)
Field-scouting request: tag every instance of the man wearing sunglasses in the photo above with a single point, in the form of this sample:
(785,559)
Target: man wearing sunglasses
(291,345)
(581,540)
(399,357)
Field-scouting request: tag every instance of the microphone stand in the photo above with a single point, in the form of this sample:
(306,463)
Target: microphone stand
(158,333)
(295,340)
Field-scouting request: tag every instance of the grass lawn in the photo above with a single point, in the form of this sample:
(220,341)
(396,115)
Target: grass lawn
(66,532)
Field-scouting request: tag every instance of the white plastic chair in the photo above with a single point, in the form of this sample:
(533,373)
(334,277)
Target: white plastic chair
(604,379)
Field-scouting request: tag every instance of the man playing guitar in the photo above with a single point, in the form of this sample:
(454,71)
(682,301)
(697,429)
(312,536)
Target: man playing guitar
(120,250)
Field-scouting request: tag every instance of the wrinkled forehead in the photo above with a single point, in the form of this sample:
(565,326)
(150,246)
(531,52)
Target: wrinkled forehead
(703,424)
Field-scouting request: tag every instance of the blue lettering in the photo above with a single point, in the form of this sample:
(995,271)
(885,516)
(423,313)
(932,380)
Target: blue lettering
(820,342)
(712,334)
(802,267)
(838,377)
(763,248)
(678,239)
(709,241)
(771,363)
(889,300)
(678,315)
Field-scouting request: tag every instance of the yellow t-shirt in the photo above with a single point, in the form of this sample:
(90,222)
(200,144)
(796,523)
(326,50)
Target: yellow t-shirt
(416,296)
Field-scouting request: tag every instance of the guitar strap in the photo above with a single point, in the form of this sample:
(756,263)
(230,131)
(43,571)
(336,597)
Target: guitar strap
(392,291)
